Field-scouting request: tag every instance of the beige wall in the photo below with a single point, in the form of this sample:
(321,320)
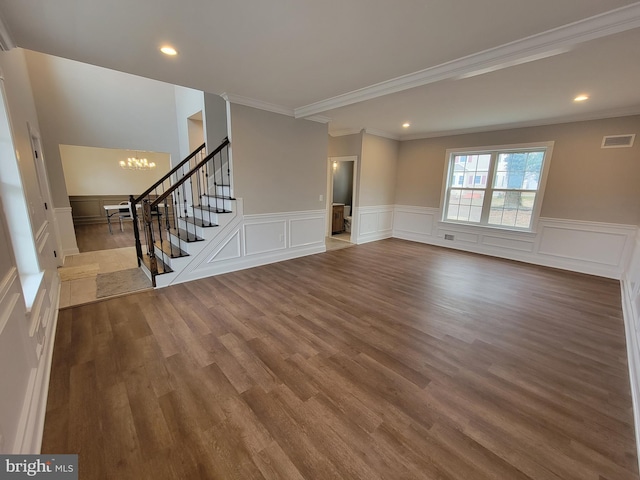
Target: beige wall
(279,163)
(346,145)
(96,171)
(81,104)
(585,181)
(378,165)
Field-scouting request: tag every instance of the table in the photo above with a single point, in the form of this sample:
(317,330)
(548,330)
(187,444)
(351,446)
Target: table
(116,209)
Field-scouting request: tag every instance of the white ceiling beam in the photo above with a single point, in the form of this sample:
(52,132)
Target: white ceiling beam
(535,47)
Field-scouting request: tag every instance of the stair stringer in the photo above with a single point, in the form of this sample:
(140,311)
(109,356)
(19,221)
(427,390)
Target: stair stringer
(226,252)
(228,223)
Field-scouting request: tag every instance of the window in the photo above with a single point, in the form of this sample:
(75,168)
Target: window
(502,186)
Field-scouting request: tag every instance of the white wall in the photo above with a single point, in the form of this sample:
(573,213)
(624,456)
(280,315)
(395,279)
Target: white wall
(26,326)
(96,171)
(188,102)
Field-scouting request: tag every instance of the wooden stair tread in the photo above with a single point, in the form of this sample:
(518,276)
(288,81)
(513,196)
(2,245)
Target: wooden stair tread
(200,222)
(221,197)
(185,236)
(171,250)
(162,267)
(211,209)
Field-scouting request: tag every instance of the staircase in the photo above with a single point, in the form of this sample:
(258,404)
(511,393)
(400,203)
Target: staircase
(182,211)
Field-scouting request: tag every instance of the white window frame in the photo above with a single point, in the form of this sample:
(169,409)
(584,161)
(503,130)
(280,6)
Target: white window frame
(494,151)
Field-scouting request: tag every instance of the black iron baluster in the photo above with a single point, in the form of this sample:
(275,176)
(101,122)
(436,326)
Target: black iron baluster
(193,205)
(197,179)
(167,227)
(136,231)
(215,176)
(153,264)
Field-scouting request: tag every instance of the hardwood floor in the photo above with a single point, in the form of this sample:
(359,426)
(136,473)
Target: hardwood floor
(390,360)
(94,237)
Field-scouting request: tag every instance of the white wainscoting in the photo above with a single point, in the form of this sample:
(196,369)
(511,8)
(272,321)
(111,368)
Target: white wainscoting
(374,223)
(631,309)
(67,234)
(595,248)
(253,240)
(26,349)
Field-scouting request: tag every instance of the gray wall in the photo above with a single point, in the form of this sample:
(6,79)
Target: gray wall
(378,165)
(346,145)
(80,104)
(585,182)
(279,163)
(215,120)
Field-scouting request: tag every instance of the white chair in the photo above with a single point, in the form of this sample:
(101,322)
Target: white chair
(125,213)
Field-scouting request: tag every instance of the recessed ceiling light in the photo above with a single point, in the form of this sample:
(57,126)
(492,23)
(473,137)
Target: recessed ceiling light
(406,125)
(581,98)
(168,50)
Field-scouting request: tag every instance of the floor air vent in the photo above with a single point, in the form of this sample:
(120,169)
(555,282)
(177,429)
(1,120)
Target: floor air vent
(618,141)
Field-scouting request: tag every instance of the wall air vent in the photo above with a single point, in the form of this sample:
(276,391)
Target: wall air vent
(618,141)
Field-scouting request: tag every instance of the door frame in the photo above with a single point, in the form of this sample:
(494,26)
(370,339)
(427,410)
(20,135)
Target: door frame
(354,195)
(42,178)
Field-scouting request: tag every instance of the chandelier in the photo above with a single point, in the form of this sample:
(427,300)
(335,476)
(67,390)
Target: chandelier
(134,163)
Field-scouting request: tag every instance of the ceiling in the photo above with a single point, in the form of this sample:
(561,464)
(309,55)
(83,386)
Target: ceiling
(446,67)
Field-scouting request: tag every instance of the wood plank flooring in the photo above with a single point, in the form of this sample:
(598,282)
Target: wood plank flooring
(94,237)
(390,360)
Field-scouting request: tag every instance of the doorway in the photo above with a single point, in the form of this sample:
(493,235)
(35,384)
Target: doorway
(342,184)
(45,190)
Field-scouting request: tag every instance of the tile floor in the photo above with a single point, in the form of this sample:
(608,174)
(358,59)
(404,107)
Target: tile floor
(336,242)
(78,275)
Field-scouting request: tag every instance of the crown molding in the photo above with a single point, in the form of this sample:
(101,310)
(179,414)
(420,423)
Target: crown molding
(6,40)
(269,107)
(381,133)
(541,45)
(343,132)
(318,118)
(602,115)
(259,104)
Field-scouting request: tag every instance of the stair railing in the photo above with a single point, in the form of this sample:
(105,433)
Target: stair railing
(168,221)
